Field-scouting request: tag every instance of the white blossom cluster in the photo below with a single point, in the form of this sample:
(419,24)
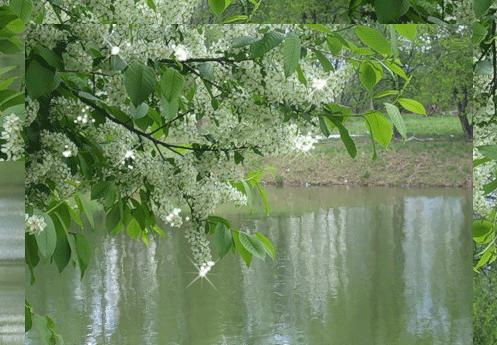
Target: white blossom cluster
(32,108)
(306,143)
(119,11)
(197,238)
(249,116)
(34,224)
(12,134)
(58,143)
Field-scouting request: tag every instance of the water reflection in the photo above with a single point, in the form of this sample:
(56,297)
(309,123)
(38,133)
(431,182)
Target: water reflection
(394,271)
(11,253)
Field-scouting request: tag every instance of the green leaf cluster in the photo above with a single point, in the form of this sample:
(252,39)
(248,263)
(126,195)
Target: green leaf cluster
(247,245)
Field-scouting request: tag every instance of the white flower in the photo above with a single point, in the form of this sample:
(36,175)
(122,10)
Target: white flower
(319,84)
(115,50)
(12,134)
(34,225)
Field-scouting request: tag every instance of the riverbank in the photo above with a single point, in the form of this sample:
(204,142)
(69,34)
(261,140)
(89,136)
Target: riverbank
(443,161)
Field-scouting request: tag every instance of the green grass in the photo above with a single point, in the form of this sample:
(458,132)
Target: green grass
(485,308)
(446,160)
(418,125)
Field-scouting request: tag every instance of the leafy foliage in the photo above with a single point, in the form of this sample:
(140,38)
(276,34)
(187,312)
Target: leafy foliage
(12,113)
(129,133)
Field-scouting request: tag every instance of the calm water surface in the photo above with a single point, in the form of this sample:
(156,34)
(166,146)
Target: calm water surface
(11,253)
(353,266)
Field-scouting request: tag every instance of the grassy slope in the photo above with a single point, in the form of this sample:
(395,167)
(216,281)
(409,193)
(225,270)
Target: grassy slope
(444,161)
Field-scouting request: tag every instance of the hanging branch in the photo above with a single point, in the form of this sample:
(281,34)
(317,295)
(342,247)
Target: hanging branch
(148,136)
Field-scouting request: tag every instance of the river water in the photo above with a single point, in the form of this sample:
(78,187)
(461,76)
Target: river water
(353,266)
(11,253)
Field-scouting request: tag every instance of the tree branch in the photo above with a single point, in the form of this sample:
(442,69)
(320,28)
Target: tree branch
(148,136)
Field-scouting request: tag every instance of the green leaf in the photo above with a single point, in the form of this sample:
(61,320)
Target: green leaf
(367,75)
(47,239)
(151,4)
(486,257)
(396,118)
(490,187)
(364,51)
(386,93)
(482,231)
(374,39)
(4,84)
(39,80)
(140,111)
(253,245)
(409,31)
(83,250)
(479,33)
(84,207)
(139,81)
(22,8)
(49,57)
(101,189)
(344,136)
(223,239)
(218,6)
(88,96)
(412,106)
(375,154)
(243,41)
(10,98)
(116,63)
(334,45)
(113,218)
(323,60)
(41,326)
(267,245)
(31,254)
(15,26)
(270,40)
(171,84)
(380,127)
(435,20)
(395,69)
(62,254)
(133,229)
(262,194)
(481,161)
(235,19)
(489,151)
(390,10)
(300,75)
(483,67)
(238,157)
(7,69)
(64,215)
(480,7)
(244,253)
(323,126)
(28,315)
(291,53)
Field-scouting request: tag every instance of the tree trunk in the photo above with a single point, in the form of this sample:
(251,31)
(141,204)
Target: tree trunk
(461,113)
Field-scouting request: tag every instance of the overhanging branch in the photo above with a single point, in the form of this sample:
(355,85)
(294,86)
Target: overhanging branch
(148,136)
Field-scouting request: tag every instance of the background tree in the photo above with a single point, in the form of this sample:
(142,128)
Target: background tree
(439,62)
